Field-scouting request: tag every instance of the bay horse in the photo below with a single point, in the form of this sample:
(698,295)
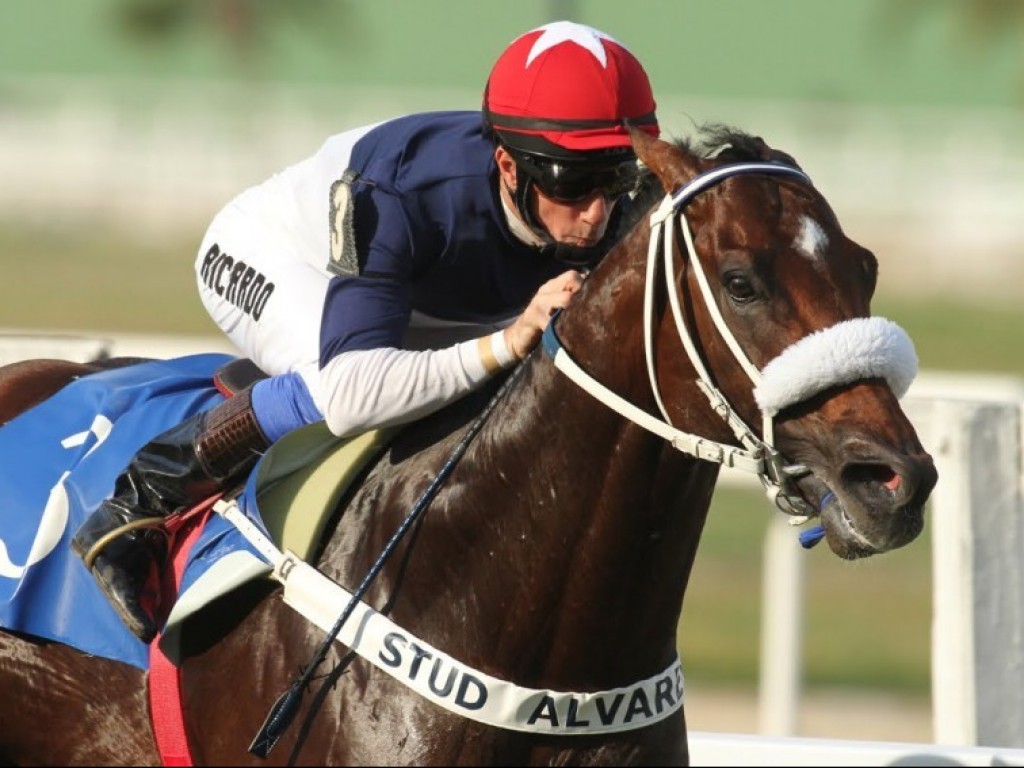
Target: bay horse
(730,326)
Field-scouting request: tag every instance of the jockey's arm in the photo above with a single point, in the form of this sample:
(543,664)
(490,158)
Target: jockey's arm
(362,389)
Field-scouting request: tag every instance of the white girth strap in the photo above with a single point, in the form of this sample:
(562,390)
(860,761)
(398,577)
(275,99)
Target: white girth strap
(449,683)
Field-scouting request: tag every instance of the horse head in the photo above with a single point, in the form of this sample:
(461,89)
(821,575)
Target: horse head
(774,300)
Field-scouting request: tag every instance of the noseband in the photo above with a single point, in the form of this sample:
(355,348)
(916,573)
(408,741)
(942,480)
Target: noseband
(869,347)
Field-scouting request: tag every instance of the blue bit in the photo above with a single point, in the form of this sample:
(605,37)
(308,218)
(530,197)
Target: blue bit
(811,536)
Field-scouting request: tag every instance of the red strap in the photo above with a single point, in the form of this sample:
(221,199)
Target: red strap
(165,702)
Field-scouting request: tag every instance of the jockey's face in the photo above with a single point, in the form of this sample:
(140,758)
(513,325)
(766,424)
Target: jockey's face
(581,223)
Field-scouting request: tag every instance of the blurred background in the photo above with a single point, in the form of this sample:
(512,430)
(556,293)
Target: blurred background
(126,124)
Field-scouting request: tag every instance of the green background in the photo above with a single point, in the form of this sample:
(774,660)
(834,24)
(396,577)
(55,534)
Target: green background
(933,52)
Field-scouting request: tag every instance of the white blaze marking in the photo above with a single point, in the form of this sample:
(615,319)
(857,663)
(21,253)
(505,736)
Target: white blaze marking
(812,240)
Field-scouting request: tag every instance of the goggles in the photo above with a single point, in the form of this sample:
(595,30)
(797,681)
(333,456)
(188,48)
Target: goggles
(569,182)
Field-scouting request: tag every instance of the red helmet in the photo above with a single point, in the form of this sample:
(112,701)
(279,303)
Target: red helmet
(565,89)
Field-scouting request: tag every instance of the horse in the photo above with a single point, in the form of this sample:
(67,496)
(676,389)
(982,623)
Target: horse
(555,555)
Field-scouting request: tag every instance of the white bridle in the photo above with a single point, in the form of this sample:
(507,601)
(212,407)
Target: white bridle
(849,351)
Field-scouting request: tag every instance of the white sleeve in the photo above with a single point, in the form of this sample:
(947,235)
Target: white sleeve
(373,388)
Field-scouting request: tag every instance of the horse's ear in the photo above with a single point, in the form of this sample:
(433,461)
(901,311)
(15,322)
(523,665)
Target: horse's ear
(672,165)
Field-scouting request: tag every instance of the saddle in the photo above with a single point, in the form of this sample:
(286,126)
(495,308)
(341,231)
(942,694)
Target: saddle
(304,474)
(298,484)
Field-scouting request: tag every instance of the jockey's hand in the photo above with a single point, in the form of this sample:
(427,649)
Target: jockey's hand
(524,334)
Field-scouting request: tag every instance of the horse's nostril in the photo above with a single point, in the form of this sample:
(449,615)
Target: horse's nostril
(879,483)
(903,482)
(882,474)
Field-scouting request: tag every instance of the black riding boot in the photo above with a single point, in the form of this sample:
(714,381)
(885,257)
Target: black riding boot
(123,541)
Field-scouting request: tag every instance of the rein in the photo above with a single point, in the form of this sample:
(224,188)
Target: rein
(283,712)
(873,347)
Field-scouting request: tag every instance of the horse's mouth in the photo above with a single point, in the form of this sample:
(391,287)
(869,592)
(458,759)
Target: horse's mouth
(877,524)
(841,532)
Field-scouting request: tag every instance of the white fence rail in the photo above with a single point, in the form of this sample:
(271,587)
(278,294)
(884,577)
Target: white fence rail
(973,426)
(18,345)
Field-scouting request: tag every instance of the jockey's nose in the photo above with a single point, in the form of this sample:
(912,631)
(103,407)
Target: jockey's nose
(596,208)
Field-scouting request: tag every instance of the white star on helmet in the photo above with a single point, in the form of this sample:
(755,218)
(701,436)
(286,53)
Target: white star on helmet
(558,32)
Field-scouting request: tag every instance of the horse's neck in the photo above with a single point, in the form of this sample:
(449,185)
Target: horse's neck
(577,533)
(614,516)
(558,551)
(609,516)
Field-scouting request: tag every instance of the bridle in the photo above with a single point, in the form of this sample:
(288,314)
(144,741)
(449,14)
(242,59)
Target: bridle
(775,474)
(756,455)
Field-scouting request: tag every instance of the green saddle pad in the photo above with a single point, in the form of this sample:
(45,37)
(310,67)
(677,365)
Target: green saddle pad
(304,475)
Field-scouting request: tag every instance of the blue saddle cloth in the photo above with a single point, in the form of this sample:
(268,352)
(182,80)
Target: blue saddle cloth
(58,462)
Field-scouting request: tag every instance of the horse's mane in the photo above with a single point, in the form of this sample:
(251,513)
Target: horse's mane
(713,141)
(729,144)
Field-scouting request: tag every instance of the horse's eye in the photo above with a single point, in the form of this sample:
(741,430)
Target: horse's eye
(739,287)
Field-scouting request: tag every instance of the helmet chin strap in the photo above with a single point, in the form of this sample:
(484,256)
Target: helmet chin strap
(572,255)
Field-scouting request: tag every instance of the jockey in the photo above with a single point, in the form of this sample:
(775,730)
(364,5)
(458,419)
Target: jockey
(394,271)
